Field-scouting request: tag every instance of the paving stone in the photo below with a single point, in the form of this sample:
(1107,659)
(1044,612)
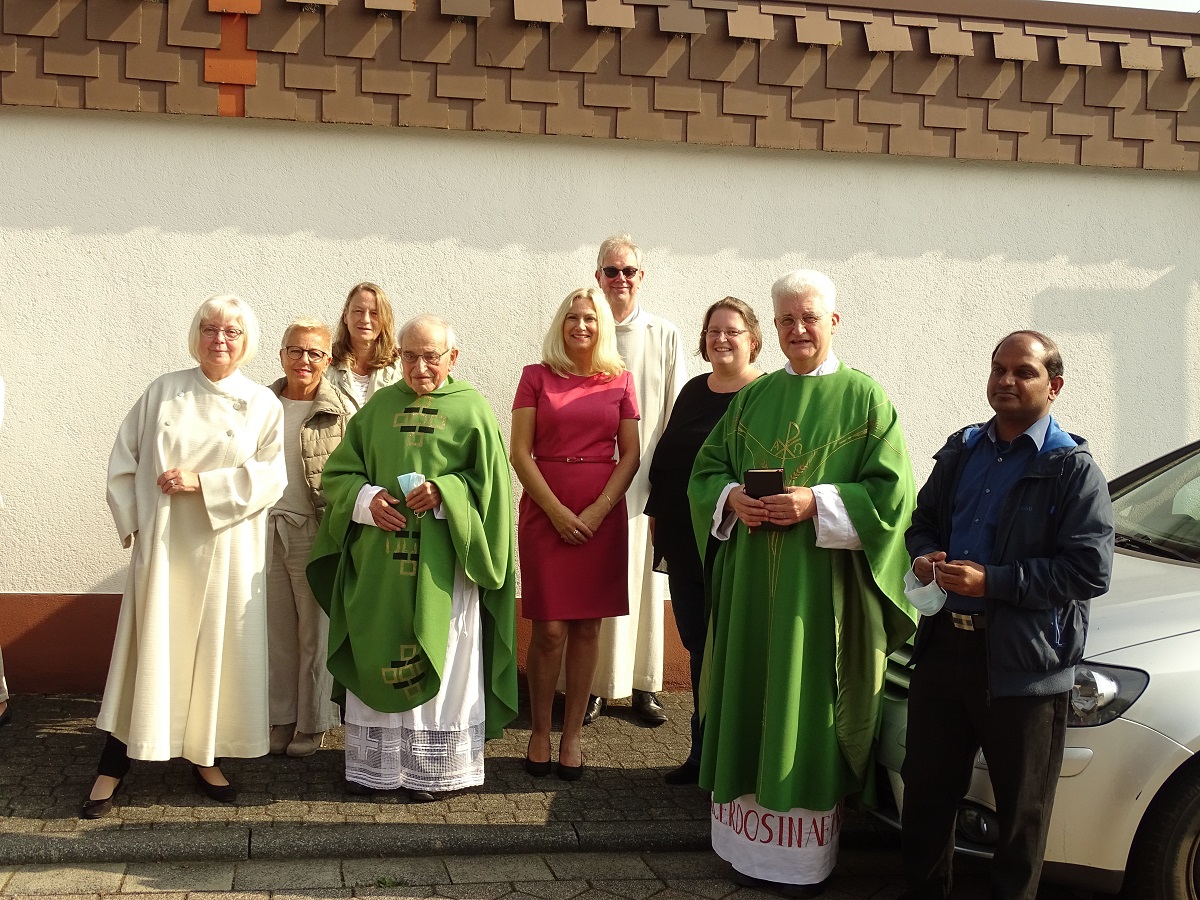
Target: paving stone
(611,866)
(478,869)
(552,890)
(694,864)
(397,872)
(179,876)
(286,874)
(486,891)
(66,879)
(712,888)
(631,889)
(402,893)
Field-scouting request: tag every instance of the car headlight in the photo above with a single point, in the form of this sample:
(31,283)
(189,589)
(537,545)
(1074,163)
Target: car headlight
(1101,693)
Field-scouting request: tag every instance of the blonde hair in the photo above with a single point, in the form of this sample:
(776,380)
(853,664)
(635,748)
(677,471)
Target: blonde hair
(384,352)
(229,307)
(306,323)
(605,357)
(618,242)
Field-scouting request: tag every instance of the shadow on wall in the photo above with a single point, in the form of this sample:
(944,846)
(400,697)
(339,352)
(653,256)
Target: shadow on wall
(477,190)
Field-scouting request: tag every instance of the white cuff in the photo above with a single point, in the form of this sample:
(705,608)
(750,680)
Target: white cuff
(362,505)
(723,522)
(835,531)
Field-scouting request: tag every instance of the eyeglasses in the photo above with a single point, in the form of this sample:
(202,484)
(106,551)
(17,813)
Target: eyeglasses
(301,352)
(628,271)
(731,333)
(231,333)
(431,358)
(806,321)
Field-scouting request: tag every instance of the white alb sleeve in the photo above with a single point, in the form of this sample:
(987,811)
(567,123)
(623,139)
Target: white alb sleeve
(362,505)
(723,522)
(835,531)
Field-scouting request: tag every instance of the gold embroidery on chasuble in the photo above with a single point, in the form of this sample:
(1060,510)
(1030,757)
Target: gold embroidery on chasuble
(407,672)
(417,422)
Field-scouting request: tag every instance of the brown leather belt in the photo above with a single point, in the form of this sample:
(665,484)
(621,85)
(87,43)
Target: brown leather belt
(968,621)
(577,459)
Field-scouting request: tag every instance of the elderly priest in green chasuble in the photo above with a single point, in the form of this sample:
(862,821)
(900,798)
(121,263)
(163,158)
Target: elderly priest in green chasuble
(807,596)
(414,564)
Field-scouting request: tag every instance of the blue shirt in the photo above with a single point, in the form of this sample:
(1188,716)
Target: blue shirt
(990,470)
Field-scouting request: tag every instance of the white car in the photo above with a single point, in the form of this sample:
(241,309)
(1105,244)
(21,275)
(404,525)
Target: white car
(1127,811)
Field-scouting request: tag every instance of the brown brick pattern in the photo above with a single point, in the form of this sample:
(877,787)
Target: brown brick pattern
(1098,87)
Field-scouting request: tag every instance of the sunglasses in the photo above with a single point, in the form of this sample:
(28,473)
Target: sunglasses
(612,271)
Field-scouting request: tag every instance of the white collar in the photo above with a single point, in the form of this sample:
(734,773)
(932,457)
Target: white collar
(826,368)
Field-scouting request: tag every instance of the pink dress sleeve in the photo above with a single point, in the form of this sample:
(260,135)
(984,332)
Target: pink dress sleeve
(528,388)
(629,403)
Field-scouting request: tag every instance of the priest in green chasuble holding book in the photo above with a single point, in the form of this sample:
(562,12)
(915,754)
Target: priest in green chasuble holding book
(806,610)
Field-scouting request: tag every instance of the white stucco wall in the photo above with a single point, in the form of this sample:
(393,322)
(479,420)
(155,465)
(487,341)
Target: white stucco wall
(114,227)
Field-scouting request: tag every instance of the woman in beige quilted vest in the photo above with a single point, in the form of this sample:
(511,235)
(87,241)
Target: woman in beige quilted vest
(314,418)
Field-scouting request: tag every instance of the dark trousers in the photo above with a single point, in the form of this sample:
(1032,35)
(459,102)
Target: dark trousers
(687,603)
(114,759)
(949,719)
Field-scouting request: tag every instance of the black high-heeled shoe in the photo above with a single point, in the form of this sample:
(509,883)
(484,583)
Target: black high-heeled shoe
(537,769)
(222,793)
(570,773)
(98,809)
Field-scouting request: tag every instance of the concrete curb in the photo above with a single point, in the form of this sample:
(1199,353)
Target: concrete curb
(234,843)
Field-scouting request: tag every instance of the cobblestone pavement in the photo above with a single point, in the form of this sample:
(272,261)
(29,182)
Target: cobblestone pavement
(295,833)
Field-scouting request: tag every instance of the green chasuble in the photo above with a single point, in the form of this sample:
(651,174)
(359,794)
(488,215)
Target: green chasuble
(388,594)
(799,635)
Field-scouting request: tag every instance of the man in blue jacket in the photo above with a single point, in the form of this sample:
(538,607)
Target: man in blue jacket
(1015,525)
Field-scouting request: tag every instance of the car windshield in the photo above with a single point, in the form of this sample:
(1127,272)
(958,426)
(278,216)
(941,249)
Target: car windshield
(1161,514)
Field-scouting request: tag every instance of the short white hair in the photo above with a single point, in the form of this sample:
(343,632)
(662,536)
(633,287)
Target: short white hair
(230,307)
(801,283)
(427,321)
(618,242)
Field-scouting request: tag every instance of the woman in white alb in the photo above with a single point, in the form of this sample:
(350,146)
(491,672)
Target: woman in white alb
(365,356)
(196,466)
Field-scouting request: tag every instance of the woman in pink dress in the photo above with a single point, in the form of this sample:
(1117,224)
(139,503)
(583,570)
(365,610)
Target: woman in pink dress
(571,412)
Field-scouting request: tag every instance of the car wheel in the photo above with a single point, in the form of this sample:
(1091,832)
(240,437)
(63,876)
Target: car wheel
(1164,863)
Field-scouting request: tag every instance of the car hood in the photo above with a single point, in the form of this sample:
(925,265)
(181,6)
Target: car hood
(1149,598)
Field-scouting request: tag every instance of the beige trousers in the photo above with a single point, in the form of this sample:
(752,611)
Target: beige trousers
(297,633)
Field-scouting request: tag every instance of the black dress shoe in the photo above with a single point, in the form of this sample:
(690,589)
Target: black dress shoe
(688,773)
(776,887)
(360,790)
(6,716)
(98,809)
(415,796)
(593,710)
(537,769)
(647,708)
(222,793)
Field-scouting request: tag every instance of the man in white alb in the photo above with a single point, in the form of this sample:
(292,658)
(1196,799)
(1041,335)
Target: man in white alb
(631,647)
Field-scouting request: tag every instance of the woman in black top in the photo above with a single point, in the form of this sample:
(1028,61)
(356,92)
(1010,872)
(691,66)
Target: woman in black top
(730,342)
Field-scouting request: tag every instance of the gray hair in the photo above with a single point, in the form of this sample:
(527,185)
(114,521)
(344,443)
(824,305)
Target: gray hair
(618,242)
(802,283)
(427,321)
(230,307)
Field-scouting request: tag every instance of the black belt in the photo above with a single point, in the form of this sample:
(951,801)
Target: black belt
(968,621)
